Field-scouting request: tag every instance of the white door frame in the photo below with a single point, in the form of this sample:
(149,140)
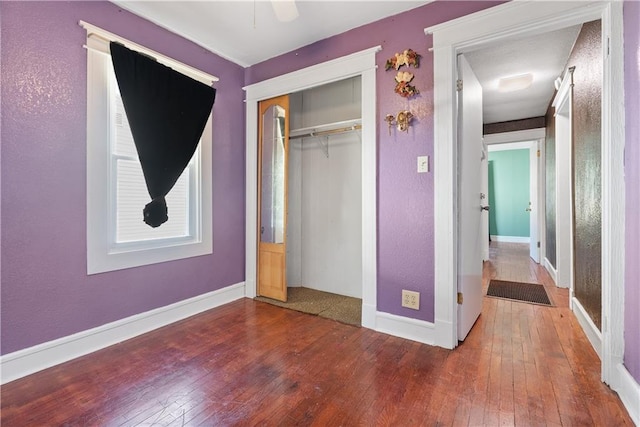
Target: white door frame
(501,23)
(563,116)
(532,140)
(362,64)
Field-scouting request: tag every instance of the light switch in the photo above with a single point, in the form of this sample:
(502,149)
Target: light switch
(423,164)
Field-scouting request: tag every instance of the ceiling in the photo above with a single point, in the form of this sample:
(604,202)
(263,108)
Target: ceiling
(247,32)
(544,56)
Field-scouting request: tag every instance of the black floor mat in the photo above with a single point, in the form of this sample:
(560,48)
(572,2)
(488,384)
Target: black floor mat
(525,292)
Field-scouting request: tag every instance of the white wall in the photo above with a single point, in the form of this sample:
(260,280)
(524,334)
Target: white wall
(294,215)
(332,216)
(324,236)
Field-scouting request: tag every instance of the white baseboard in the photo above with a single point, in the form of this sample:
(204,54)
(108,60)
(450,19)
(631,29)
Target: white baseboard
(591,331)
(405,327)
(369,316)
(33,359)
(629,391)
(510,239)
(552,271)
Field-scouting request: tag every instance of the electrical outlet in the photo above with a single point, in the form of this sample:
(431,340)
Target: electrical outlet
(411,299)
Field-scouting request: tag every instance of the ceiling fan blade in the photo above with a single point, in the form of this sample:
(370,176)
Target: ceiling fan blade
(285,10)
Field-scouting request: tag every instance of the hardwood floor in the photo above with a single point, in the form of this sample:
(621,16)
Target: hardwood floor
(249,363)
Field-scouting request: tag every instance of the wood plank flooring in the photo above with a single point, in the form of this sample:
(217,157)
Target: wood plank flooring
(251,363)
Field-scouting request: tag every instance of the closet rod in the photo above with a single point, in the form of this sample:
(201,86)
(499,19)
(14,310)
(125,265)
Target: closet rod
(328,132)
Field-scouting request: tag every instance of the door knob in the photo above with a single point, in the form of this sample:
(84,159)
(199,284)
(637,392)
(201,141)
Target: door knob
(484,208)
(528,209)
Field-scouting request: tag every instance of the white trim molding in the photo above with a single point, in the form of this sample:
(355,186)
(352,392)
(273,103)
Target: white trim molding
(629,392)
(362,64)
(590,329)
(498,24)
(514,137)
(102,38)
(508,146)
(405,327)
(551,269)
(42,356)
(511,239)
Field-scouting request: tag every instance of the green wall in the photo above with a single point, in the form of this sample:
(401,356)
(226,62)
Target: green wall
(509,193)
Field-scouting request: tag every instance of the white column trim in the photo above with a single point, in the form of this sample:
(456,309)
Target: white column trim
(613,193)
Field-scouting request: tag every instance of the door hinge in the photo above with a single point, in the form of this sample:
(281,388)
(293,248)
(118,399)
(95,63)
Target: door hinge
(538,244)
(608,45)
(538,153)
(459,297)
(458,85)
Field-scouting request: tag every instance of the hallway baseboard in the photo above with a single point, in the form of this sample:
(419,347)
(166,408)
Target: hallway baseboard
(551,270)
(590,329)
(629,391)
(510,239)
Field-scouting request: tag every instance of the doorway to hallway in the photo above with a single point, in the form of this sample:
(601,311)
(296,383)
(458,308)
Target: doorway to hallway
(510,261)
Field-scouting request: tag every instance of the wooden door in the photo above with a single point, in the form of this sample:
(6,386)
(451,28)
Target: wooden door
(273,143)
(469,202)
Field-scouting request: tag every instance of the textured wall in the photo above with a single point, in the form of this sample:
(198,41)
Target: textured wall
(586,56)
(509,193)
(632,186)
(405,198)
(46,293)
(550,183)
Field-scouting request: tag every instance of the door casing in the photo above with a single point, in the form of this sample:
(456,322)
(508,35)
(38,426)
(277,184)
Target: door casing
(502,23)
(533,140)
(361,63)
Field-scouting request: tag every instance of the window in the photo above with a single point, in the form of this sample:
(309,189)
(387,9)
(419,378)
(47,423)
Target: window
(117,236)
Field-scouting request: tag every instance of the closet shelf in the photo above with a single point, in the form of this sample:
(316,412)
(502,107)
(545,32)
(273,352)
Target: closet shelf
(326,129)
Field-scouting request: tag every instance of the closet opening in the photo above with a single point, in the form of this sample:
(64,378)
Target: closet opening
(322,265)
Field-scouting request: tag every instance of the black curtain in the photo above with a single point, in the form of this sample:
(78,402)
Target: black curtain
(167,113)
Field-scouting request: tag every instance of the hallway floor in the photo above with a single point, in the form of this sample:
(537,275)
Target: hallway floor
(252,363)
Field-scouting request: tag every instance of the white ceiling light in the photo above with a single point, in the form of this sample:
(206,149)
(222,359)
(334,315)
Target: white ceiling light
(514,83)
(285,10)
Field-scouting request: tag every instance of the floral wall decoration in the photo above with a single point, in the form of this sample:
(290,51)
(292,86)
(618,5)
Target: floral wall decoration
(411,59)
(403,88)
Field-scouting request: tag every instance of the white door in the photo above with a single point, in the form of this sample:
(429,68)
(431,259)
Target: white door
(484,199)
(470,204)
(534,239)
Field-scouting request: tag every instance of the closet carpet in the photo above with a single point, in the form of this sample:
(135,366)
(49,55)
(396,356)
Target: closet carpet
(324,304)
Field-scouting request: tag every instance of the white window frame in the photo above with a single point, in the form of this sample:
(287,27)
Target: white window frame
(103,252)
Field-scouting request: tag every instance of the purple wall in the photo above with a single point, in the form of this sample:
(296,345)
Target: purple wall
(632,187)
(46,293)
(405,198)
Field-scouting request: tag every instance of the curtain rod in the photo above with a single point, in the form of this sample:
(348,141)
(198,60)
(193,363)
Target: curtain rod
(107,37)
